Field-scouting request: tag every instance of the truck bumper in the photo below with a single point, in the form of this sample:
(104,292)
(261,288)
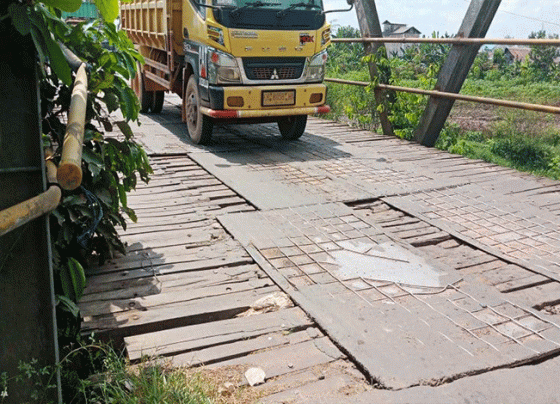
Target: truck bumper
(256,113)
(266,101)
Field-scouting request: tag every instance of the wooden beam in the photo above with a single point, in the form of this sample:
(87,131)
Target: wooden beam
(455,69)
(371,28)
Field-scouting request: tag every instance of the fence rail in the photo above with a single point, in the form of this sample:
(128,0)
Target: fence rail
(452,95)
(453,41)
(460,97)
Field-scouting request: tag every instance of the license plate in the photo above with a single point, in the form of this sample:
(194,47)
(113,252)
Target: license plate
(278,98)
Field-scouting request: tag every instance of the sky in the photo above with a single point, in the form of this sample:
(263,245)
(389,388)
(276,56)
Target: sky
(514,18)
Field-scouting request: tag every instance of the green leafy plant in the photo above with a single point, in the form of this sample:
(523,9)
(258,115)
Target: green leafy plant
(84,225)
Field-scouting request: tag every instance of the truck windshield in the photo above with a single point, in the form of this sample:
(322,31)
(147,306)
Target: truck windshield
(270,14)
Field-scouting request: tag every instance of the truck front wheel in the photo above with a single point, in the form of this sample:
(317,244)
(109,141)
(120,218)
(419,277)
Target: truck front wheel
(292,127)
(199,126)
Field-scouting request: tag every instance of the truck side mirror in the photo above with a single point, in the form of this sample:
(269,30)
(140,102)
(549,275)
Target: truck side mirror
(350,3)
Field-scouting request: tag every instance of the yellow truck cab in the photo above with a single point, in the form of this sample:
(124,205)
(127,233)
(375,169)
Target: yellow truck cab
(232,60)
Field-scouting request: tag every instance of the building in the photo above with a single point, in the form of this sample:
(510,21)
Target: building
(516,53)
(397,30)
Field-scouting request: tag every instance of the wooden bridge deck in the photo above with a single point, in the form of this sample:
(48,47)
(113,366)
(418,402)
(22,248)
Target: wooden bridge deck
(251,217)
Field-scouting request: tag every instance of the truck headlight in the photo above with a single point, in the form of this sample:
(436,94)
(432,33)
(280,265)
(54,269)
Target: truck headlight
(316,67)
(222,68)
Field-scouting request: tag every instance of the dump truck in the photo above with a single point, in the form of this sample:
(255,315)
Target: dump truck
(240,61)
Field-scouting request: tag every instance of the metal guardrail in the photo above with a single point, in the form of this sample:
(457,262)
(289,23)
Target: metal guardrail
(460,97)
(68,175)
(452,41)
(442,94)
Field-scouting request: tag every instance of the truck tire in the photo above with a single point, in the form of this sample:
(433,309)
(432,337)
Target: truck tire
(292,127)
(157,103)
(199,126)
(146,98)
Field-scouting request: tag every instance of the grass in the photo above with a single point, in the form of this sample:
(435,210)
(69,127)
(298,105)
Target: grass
(156,381)
(95,373)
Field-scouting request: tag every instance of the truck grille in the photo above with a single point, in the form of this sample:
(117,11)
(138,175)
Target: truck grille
(273,69)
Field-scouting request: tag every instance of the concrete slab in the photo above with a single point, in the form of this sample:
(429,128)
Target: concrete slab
(536,384)
(415,325)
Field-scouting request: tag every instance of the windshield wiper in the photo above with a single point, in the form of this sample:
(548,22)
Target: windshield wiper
(253,4)
(283,12)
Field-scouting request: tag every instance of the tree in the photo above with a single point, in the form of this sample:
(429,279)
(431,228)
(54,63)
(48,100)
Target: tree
(542,64)
(345,57)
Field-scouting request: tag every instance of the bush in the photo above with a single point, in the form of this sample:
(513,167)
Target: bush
(84,224)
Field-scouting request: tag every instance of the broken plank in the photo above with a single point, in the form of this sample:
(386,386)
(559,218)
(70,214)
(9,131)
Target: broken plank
(166,297)
(242,348)
(123,289)
(199,336)
(175,315)
(289,359)
(168,268)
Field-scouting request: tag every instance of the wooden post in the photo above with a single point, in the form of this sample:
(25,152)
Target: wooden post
(455,69)
(27,323)
(371,28)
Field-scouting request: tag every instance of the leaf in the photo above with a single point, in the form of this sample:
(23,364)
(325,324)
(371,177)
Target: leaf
(122,195)
(39,46)
(109,9)
(78,276)
(112,101)
(93,160)
(56,57)
(125,129)
(67,305)
(20,18)
(64,5)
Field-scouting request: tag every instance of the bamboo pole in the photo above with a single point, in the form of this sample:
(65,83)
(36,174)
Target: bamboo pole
(17,215)
(69,173)
(453,41)
(460,97)
(70,168)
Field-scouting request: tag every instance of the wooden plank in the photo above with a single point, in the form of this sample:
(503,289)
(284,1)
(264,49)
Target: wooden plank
(504,274)
(304,377)
(175,315)
(199,336)
(292,358)
(168,268)
(170,238)
(427,239)
(155,257)
(536,296)
(522,283)
(241,349)
(123,289)
(166,297)
(328,386)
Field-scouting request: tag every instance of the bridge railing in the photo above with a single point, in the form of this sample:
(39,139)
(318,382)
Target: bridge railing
(454,96)
(69,173)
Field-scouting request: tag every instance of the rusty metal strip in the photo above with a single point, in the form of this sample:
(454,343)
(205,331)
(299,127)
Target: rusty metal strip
(454,41)
(460,97)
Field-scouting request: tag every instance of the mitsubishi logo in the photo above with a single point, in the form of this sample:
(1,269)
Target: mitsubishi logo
(274,75)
